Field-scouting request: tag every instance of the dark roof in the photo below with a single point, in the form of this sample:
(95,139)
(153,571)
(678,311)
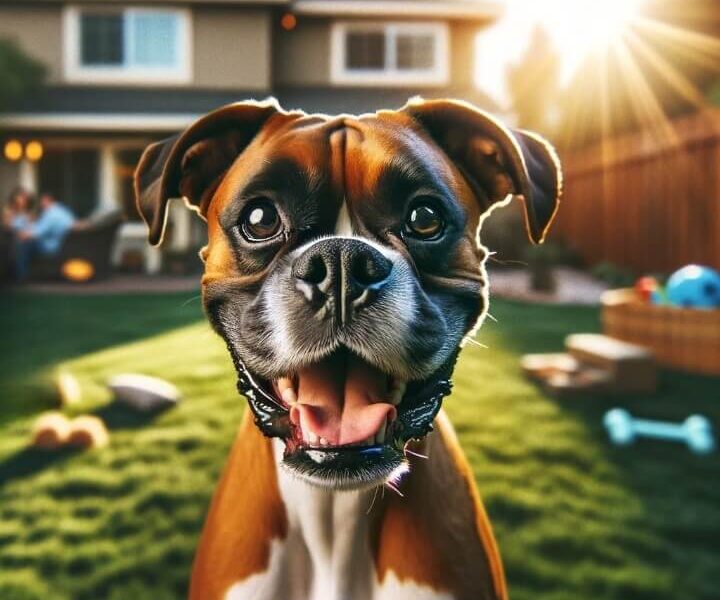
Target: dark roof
(66,100)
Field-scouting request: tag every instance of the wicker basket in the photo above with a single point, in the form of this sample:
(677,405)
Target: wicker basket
(681,338)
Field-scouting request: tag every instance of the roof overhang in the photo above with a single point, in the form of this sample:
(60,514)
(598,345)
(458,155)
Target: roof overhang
(89,122)
(482,10)
(174,2)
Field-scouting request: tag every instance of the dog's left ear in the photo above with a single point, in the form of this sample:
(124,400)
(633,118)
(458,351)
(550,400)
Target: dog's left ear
(190,165)
(495,160)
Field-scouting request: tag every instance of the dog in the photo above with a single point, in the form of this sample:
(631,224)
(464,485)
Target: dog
(344,270)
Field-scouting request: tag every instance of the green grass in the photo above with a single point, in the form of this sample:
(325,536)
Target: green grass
(575,517)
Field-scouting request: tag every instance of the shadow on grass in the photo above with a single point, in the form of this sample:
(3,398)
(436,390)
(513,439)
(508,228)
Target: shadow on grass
(31,460)
(38,332)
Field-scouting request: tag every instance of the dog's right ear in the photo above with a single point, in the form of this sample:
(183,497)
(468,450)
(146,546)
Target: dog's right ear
(191,164)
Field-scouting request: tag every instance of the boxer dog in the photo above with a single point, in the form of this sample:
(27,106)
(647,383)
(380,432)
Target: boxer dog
(343,269)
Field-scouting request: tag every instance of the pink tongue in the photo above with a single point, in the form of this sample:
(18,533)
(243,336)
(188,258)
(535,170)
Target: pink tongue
(340,399)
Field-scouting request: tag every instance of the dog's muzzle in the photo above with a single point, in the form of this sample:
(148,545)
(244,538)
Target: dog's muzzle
(340,276)
(342,402)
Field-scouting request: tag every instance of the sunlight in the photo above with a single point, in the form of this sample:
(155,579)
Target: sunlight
(577,29)
(580,27)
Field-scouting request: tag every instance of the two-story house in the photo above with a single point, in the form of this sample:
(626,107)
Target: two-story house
(123,74)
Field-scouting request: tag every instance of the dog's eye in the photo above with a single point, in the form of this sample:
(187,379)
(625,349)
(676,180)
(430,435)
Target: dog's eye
(424,221)
(260,220)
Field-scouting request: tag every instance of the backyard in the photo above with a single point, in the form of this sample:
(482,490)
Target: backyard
(575,518)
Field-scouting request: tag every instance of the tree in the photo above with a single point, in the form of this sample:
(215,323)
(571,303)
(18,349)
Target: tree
(534,84)
(19,73)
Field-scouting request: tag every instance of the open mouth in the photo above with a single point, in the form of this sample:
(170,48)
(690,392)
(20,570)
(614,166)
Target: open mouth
(344,422)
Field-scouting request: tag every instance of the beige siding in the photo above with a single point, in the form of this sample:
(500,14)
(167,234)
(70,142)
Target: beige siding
(302,56)
(38,30)
(462,53)
(231,48)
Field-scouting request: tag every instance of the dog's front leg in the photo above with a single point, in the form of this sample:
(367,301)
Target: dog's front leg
(435,540)
(242,551)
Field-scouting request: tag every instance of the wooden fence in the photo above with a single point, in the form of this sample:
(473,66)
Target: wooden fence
(649,200)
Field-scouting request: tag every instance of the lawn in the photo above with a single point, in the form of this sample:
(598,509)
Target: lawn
(575,518)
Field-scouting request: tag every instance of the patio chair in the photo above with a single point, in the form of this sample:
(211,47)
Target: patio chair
(89,242)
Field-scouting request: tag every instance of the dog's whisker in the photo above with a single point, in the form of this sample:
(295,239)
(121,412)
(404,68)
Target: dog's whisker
(489,316)
(394,489)
(192,299)
(408,451)
(373,500)
(472,341)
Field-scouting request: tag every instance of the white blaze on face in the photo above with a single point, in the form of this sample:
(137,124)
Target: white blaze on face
(343,225)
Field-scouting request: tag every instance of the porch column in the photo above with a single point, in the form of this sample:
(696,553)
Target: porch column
(27,175)
(180,217)
(107,185)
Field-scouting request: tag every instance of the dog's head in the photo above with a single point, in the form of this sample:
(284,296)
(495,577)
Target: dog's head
(343,266)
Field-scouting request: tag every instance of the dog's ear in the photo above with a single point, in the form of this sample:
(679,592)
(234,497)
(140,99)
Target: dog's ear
(191,164)
(495,160)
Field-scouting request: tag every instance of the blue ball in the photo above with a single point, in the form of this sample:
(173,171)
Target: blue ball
(694,287)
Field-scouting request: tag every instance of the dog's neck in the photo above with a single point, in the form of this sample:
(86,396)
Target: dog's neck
(334,528)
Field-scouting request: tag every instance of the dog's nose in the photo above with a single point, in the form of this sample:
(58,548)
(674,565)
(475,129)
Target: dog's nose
(341,275)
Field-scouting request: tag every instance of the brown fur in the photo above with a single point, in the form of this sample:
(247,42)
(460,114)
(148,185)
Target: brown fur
(438,534)
(245,516)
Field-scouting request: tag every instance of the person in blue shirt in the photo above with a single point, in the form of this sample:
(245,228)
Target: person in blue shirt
(44,236)
(18,213)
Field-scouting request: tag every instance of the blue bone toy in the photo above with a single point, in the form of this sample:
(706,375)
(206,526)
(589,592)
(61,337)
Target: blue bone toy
(695,431)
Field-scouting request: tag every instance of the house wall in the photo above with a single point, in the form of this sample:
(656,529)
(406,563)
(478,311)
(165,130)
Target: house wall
(38,31)
(311,41)
(462,53)
(231,46)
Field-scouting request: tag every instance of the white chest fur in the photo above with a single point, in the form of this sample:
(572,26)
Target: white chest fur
(327,554)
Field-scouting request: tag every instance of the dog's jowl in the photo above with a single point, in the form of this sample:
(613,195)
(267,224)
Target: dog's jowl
(343,269)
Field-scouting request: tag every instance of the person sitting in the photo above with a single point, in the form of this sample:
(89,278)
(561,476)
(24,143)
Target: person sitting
(44,236)
(18,212)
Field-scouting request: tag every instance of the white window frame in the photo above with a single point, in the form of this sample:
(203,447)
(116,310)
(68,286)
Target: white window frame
(76,72)
(390,76)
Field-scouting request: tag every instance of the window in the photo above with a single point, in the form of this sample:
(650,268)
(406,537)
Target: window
(389,53)
(72,175)
(126,45)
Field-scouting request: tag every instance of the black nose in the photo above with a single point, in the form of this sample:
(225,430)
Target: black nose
(339,276)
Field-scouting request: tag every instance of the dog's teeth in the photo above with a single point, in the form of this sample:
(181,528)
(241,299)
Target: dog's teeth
(324,442)
(289,396)
(397,391)
(312,438)
(284,383)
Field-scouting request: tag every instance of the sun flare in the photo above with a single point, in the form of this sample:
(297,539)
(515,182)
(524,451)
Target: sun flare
(580,27)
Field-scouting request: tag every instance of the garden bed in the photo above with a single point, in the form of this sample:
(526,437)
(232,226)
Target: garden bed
(681,338)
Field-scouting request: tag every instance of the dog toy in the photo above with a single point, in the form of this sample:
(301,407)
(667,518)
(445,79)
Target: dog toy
(87,432)
(143,393)
(68,388)
(645,287)
(694,286)
(54,430)
(695,431)
(51,431)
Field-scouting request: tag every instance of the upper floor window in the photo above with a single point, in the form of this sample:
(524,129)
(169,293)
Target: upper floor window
(390,53)
(126,45)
